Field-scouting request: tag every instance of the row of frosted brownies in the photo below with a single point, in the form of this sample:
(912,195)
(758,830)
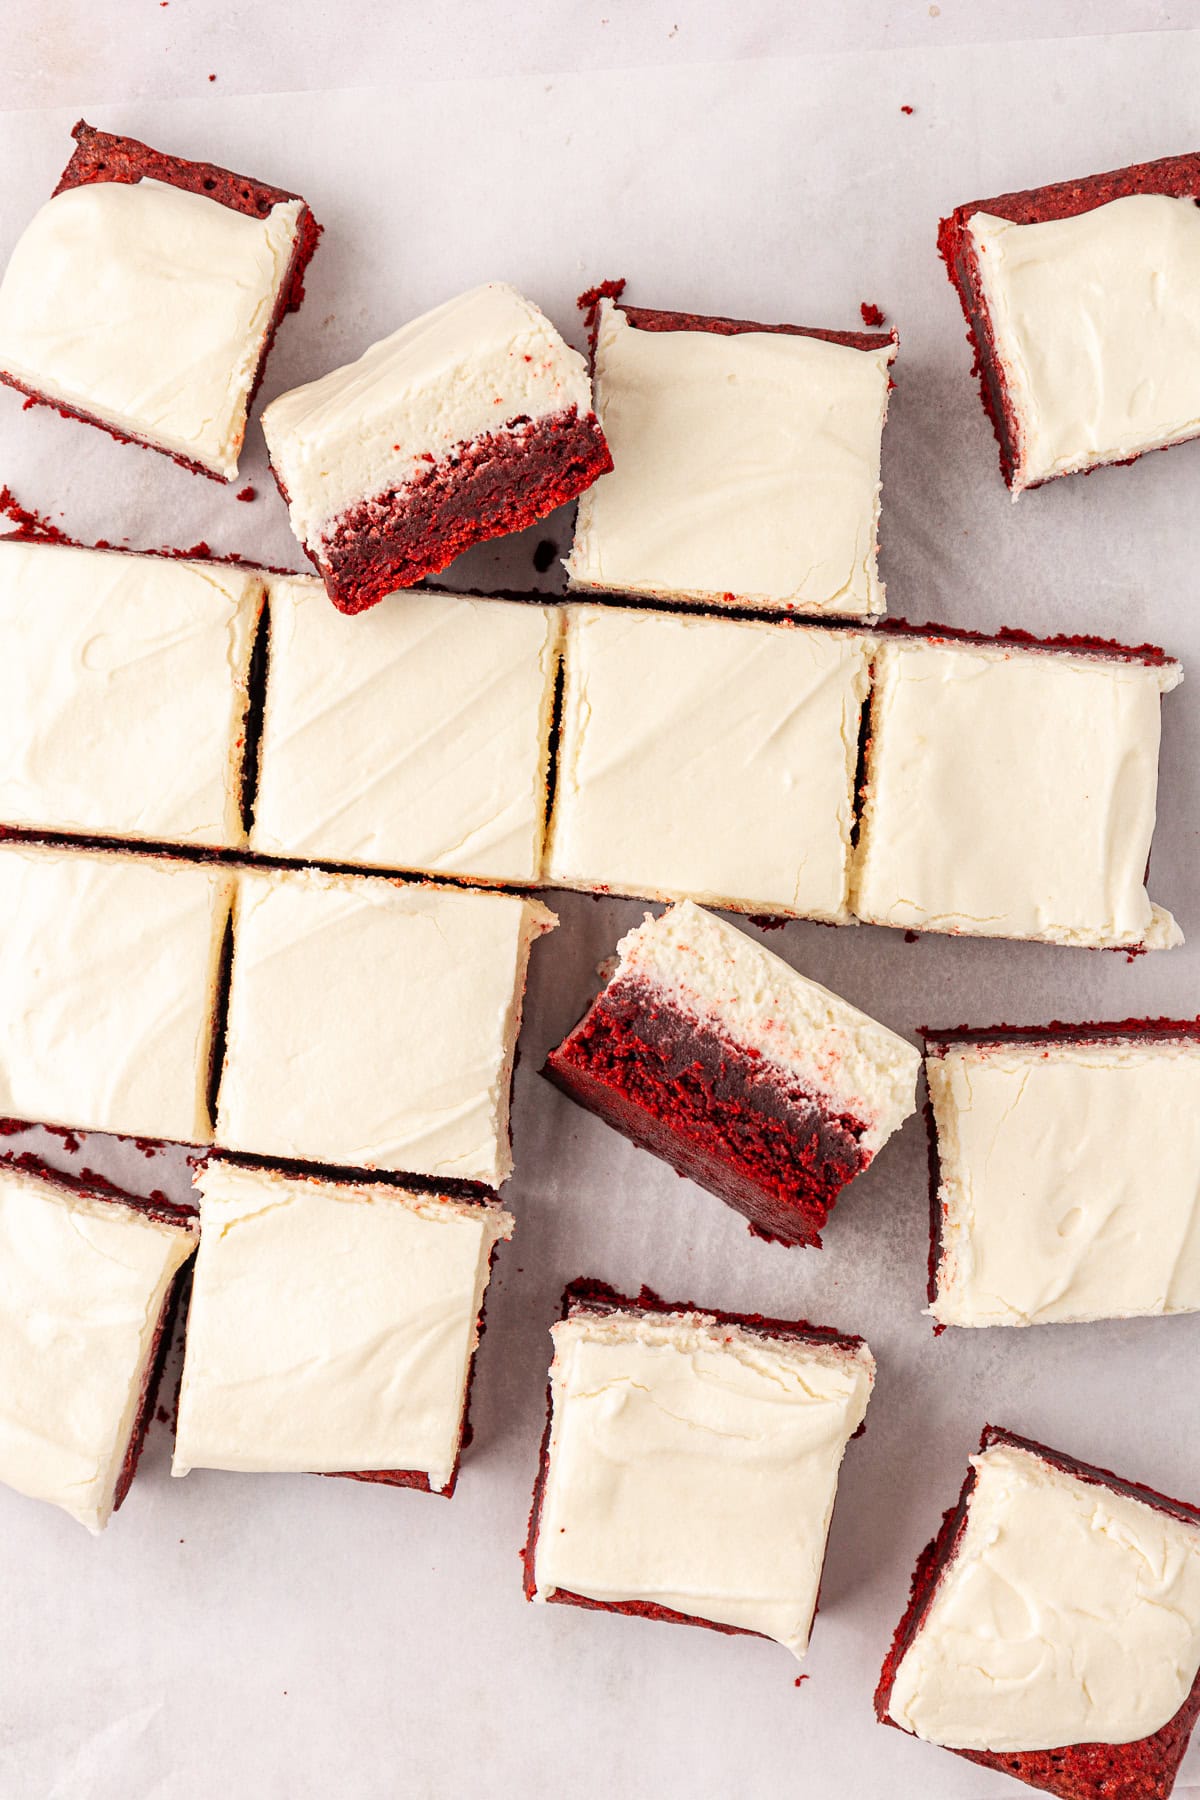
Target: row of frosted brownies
(690,755)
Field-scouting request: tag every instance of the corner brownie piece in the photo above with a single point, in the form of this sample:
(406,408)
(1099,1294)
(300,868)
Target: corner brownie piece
(1011,787)
(471,421)
(88,1285)
(332,1326)
(145,295)
(745,1076)
(1080,301)
(1054,1628)
(746,461)
(690,1463)
(1065,1172)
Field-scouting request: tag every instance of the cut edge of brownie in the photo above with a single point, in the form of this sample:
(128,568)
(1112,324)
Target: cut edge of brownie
(646,318)
(1011,637)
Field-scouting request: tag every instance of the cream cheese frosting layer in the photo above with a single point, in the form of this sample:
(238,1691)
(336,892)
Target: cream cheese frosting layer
(108,974)
(694,1464)
(372,1024)
(1096,324)
(123,693)
(1070,1180)
(1011,793)
(148,307)
(463,371)
(746,467)
(413,737)
(707,759)
(332,1325)
(83,1284)
(1069,1614)
(730,983)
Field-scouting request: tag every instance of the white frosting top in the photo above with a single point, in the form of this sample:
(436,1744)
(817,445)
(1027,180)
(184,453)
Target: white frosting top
(1096,322)
(331,1326)
(745,468)
(1011,793)
(694,1465)
(108,969)
(729,981)
(372,1024)
(416,736)
(1069,1614)
(1070,1180)
(707,759)
(147,306)
(83,1284)
(467,369)
(123,693)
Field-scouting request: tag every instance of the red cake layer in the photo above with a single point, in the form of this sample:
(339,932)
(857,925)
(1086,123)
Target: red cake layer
(588,1295)
(1011,637)
(102,156)
(718,1114)
(1176,176)
(644,318)
(1142,1770)
(485,488)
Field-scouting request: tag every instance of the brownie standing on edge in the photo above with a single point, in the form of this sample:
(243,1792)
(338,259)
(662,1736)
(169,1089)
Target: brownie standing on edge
(742,1074)
(85,1296)
(1082,303)
(474,420)
(746,462)
(145,295)
(1053,1631)
(690,1463)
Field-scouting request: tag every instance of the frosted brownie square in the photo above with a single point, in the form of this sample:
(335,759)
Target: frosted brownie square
(710,759)
(1053,1631)
(1066,1172)
(145,295)
(332,1326)
(84,1300)
(373,1024)
(1081,307)
(108,984)
(123,693)
(1011,789)
(417,738)
(742,1074)
(746,462)
(473,420)
(691,1462)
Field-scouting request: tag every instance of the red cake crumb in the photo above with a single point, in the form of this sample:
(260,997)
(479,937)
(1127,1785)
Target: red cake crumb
(906,109)
(248,493)
(871,314)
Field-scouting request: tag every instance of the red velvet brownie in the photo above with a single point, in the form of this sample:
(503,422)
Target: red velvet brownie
(1053,1630)
(690,1463)
(746,1077)
(1080,300)
(469,422)
(89,1282)
(145,295)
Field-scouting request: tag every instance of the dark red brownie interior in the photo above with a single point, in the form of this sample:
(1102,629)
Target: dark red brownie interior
(718,1115)
(644,318)
(1142,1770)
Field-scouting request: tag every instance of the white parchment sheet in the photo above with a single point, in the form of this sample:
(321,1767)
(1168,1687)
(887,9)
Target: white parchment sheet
(287,1637)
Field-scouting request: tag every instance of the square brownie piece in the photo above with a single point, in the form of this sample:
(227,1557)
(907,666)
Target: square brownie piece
(124,684)
(690,1463)
(1011,788)
(332,1326)
(109,970)
(746,1077)
(372,1024)
(417,738)
(145,295)
(469,422)
(88,1283)
(1054,1628)
(1080,301)
(746,462)
(709,759)
(1065,1172)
